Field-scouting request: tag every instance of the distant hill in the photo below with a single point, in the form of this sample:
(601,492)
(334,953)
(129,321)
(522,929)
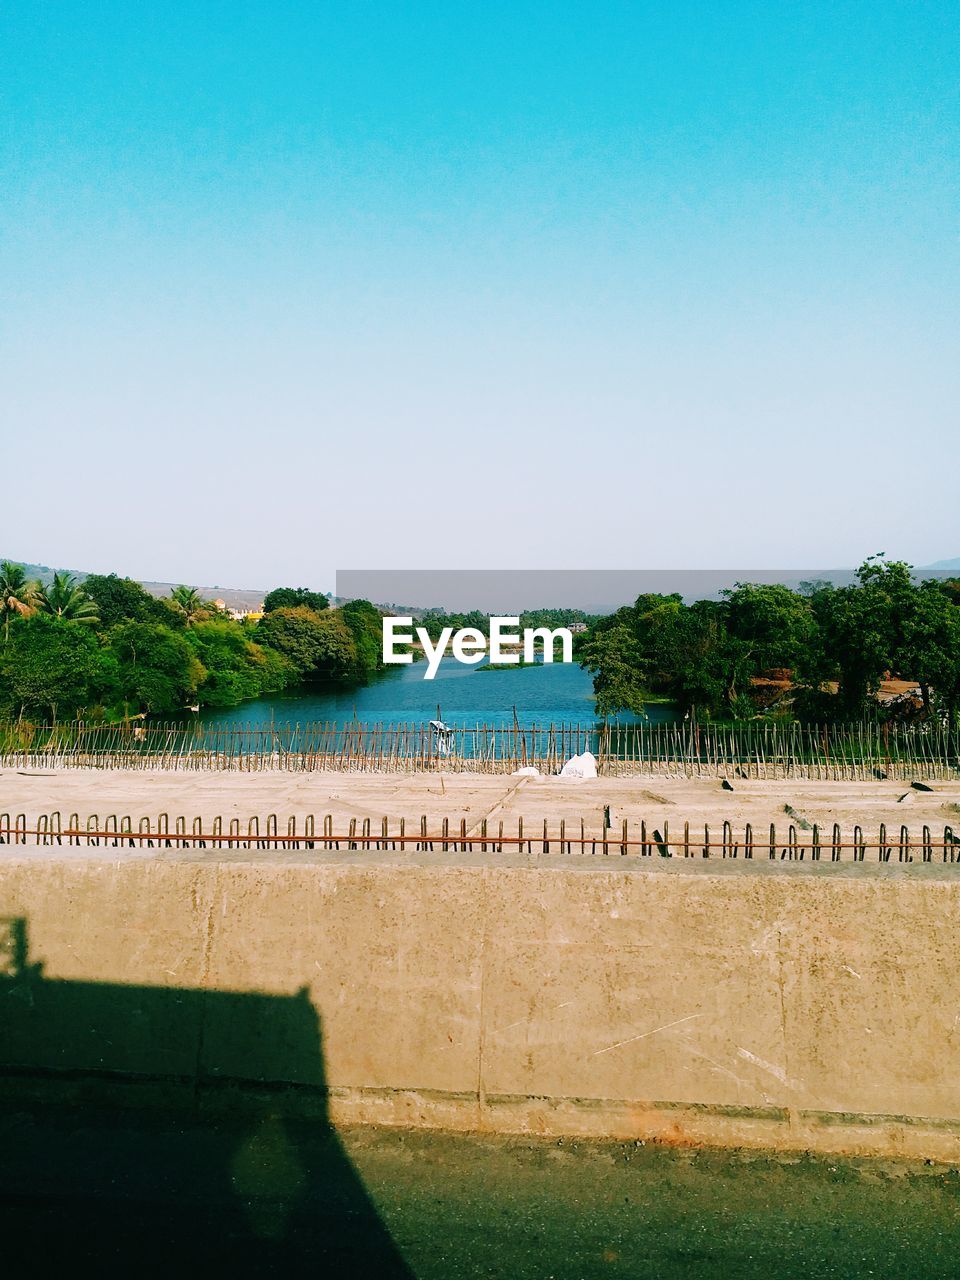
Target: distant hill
(232,597)
(692,584)
(43,572)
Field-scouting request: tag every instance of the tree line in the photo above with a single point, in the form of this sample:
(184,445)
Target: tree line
(434,620)
(816,654)
(107,648)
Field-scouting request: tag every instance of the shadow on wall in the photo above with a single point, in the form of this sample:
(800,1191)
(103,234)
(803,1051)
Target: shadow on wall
(213,1166)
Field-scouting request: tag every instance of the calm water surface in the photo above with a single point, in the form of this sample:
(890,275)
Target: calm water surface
(545,693)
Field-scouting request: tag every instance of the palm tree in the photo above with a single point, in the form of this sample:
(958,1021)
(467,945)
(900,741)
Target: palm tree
(189,600)
(65,598)
(15,594)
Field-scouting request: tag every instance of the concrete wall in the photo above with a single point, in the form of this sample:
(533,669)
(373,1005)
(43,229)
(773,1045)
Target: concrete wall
(736,1003)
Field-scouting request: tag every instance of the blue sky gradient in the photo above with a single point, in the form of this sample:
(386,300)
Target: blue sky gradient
(292,287)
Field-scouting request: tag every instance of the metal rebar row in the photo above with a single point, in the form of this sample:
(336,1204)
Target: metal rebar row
(541,837)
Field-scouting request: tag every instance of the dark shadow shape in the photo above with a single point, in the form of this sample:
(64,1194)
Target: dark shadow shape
(166,1130)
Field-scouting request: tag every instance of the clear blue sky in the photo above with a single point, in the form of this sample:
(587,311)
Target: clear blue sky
(296,286)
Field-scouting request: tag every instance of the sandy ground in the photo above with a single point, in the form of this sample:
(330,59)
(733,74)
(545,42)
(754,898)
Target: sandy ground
(89,792)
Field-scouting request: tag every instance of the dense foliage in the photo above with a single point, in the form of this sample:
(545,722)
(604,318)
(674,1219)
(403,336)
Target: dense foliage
(123,600)
(293,598)
(106,648)
(818,653)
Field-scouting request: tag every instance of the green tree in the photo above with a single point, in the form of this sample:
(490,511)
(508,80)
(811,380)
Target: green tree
(50,666)
(236,667)
(365,623)
(662,647)
(318,646)
(124,600)
(157,669)
(433,621)
(189,602)
(859,637)
(15,594)
(930,650)
(775,624)
(703,667)
(64,598)
(293,598)
(616,660)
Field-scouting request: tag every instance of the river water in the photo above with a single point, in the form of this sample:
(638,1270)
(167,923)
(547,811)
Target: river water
(557,693)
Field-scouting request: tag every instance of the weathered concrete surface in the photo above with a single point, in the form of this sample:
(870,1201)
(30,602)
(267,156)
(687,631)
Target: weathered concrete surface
(758,1004)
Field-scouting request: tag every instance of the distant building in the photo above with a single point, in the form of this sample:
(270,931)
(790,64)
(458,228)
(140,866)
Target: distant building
(576,627)
(253,614)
